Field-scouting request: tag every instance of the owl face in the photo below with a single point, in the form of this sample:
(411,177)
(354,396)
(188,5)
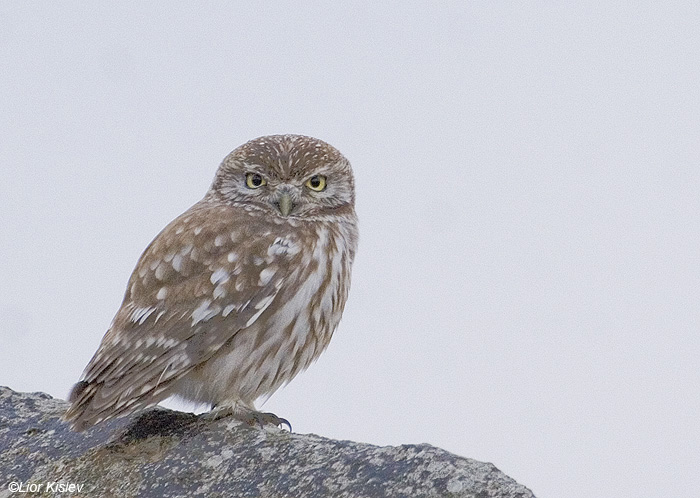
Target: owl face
(290,176)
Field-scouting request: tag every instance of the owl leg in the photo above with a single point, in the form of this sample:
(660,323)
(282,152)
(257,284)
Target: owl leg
(245,413)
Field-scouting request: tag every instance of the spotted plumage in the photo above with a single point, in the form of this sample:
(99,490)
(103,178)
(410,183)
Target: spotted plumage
(237,295)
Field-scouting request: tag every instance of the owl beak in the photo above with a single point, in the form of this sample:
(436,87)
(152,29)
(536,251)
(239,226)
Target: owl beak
(285,204)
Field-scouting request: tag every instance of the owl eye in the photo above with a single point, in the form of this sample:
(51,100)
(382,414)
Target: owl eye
(254,180)
(316,183)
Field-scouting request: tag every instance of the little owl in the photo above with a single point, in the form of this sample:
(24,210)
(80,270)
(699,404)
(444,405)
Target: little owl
(237,295)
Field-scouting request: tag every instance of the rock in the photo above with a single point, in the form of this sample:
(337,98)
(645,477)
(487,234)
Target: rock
(163,453)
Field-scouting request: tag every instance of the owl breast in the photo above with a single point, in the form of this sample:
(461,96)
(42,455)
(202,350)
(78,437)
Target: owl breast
(290,333)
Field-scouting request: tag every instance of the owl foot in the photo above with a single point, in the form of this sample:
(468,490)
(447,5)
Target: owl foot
(262,418)
(250,417)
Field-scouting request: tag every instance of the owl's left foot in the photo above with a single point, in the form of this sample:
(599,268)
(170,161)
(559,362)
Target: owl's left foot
(262,418)
(250,417)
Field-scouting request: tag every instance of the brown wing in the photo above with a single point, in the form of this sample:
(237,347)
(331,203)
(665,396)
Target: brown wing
(211,272)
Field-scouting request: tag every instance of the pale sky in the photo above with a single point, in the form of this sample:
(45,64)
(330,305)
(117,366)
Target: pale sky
(528,173)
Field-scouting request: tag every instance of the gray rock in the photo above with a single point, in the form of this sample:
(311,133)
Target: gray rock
(163,453)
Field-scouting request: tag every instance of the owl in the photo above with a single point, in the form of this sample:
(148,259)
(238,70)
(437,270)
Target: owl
(237,295)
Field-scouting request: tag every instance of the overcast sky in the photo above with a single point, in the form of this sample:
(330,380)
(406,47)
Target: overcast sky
(527,286)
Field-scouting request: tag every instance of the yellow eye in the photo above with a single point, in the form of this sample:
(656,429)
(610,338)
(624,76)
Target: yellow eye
(317,183)
(254,180)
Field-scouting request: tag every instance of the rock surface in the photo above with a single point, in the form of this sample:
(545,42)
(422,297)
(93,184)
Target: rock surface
(163,453)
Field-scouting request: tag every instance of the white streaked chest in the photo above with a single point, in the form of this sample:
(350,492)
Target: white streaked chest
(294,329)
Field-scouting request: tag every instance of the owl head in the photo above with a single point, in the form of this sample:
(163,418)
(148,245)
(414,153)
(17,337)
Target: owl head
(291,176)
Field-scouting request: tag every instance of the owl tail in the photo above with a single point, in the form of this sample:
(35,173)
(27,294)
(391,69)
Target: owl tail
(80,397)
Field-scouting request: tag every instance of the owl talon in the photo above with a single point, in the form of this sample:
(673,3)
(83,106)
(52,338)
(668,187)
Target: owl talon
(262,418)
(251,418)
